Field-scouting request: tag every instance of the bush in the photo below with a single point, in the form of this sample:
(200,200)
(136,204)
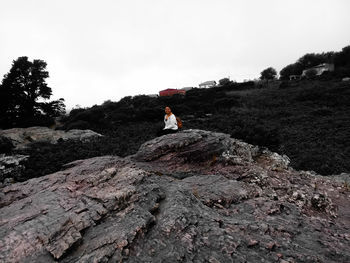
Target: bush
(79,124)
(284,84)
(342,72)
(6,145)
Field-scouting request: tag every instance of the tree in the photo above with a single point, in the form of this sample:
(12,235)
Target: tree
(225,82)
(20,92)
(292,69)
(269,73)
(311,59)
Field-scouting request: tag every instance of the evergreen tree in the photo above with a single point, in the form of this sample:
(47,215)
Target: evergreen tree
(20,92)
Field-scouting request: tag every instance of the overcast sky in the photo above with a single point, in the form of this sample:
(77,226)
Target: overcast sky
(107,49)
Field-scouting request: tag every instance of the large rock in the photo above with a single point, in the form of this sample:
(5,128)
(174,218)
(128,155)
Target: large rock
(193,196)
(195,146)
(205,152)
(21,137)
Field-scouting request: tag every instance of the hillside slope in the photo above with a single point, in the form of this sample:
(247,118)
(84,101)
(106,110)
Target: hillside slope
(308,120)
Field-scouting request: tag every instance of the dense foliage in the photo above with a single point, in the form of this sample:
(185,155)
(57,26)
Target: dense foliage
(308,121)
(23,92)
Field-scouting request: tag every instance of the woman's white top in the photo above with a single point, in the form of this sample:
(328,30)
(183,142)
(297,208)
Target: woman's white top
(170,123)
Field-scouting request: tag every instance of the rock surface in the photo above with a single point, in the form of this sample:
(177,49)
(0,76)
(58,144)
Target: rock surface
(21,137)
(12,166)
(194,196)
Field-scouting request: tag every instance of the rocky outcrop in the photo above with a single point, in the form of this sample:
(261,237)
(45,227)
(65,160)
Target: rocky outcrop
(193,147)
(194,196)
(21,137)
(12,167)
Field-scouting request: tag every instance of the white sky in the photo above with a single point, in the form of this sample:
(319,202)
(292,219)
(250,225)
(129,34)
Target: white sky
(107,49)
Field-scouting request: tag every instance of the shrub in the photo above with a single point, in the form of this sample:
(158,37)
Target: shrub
(79,124)
(6,145)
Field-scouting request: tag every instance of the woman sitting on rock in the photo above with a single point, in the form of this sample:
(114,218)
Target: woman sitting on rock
(170,123)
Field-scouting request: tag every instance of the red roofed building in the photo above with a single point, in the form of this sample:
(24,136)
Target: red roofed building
(171,92)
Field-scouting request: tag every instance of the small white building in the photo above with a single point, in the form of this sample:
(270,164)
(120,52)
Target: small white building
(152,95)
(319,69)
(207,84)
(187,88)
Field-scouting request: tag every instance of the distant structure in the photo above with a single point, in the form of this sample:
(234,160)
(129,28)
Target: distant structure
(208,84)
(153,95)
(319,69)
(171,92)
(187,88)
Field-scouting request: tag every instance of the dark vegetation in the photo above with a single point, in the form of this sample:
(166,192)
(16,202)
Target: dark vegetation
(6,145)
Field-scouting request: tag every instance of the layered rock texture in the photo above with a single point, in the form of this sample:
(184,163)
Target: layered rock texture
(11,167)
(194,196)
(21,137)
